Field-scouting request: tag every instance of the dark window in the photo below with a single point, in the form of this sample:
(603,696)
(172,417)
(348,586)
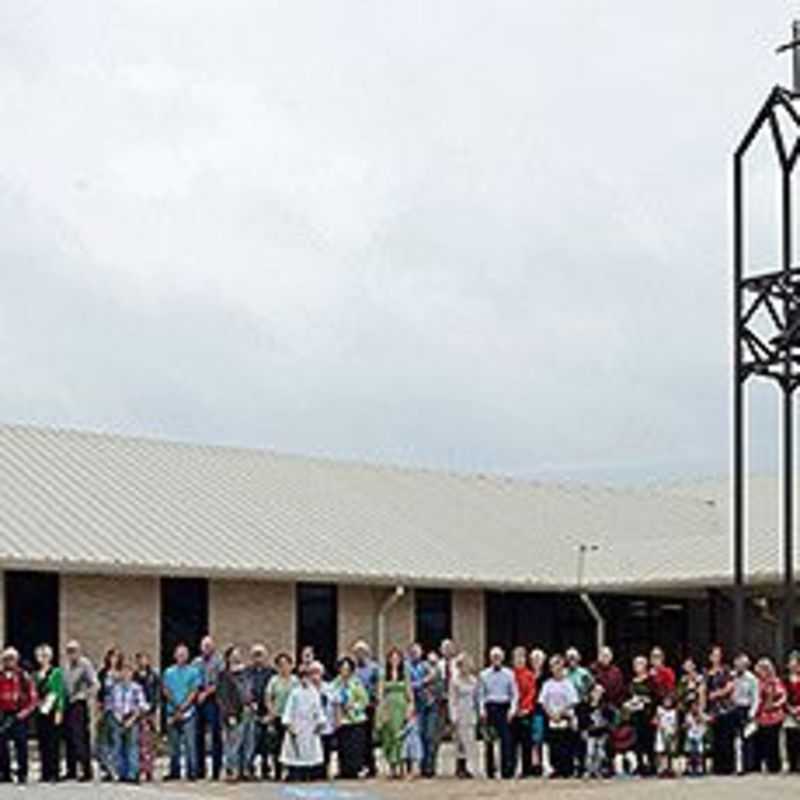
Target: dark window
(31,600)
(317,621)
(637,624)
(434,617)
(552,622)
(184,615)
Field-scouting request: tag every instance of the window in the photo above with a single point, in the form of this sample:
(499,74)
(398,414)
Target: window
(552,622)
(184,615)
(317,621)
(637,624)
(31,600)
(434,617)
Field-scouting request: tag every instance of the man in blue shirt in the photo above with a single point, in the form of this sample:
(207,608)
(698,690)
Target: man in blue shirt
(180,687)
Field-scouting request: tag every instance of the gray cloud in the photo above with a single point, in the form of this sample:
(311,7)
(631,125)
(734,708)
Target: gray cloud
(464,234)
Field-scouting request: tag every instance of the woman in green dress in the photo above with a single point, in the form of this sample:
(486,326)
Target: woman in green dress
(395,705)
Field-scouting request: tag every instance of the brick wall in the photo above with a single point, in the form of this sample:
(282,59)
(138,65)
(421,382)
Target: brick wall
(469,623)
(242,612)
(400,619)
(101,611)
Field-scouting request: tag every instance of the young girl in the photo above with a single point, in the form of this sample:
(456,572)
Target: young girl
(601,719)
(666,722)
(696,727)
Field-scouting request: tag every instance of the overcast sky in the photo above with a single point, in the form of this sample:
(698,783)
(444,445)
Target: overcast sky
(454,233)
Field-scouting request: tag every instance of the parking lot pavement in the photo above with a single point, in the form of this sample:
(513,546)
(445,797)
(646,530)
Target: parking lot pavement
(751,788)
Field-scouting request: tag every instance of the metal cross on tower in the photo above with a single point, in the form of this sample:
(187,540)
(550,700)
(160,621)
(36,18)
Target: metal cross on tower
(794,46)
(767,331)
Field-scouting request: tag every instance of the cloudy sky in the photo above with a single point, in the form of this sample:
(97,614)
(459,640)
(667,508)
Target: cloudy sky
(451,233)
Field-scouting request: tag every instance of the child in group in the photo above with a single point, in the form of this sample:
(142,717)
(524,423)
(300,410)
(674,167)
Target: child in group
(695,726)
(623,747)
(667,728)
(600,720)
(128,705)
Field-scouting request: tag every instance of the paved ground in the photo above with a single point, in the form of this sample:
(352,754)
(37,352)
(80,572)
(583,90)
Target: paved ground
(751,788)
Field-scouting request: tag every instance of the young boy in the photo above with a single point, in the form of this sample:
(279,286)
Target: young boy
(128,705)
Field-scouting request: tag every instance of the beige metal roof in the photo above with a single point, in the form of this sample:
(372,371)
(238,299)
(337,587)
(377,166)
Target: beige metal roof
(104,503)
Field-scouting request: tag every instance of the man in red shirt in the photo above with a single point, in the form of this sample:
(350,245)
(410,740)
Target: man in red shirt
(662,677)
(522,725)
(17,702)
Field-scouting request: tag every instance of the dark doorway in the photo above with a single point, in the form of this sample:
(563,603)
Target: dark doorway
(31,618)
(184,615)
(317,621)
(434,617)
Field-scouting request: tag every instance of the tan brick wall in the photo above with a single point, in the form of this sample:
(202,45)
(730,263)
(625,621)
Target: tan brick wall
(469,623)
(242,612)
(400,620)
(357,615)
(103,610)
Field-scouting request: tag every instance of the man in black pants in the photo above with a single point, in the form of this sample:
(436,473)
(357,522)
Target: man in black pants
(210,665)
(498,697)
(259,672)
(80,682)
(17,702)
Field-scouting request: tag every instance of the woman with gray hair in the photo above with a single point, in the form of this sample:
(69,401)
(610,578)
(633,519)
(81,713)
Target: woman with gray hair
(49,681)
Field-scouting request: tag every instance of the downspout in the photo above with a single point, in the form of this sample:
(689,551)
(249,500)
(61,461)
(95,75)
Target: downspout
(591,607)
(598,619)
(386,606)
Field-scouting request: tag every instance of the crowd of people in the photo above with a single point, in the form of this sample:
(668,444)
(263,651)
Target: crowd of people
(248,716)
